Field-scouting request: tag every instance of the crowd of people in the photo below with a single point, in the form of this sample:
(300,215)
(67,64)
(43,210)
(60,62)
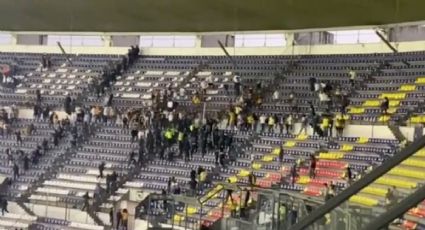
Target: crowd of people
(167,132)
(109,74)
(18,159)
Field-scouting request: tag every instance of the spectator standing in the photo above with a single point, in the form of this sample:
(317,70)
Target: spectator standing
(339,124)
(385,105)
(101,168)
(15,171)
(349,175)
(86,198)
(119,218)
(263,119)
(289,123)
(3,203)
(304,124)
(312,167)
(18,137)
(353,76)
(124,219)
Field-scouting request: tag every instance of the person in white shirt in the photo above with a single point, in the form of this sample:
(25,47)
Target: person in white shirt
(289,123)
(204,85)
(106,113)
(182,92)
(209,80)
(140,134)
(317,87)
(262,120)
(237,84)
(171,117)
(73,118)
(276,95)
(86,118)
(324,99)
(353,76)
(170,105)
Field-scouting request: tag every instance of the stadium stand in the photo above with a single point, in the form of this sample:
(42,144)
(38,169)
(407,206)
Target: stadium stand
(99,147)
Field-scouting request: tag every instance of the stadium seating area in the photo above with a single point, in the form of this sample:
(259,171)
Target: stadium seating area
(62,177)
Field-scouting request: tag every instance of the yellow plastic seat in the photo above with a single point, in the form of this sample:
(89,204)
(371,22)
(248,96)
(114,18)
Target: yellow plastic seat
(191,210)
(396,182)
(346,147)
(301,137)
(366,201)
(268,158)
(256,166)
(363,140)
(371,103)
(392,110)
(375,191)
(276,151)
(393,96)
(420,153)
(354,110)
(213,193)
(416,119)
(377,103)
(414,162)
(407,88)
(394,103)
(290,144)
(384,118)
(233,179)
(178,218)
(420,80)
(331,156)
(407,173)
(243,173)
(303,180)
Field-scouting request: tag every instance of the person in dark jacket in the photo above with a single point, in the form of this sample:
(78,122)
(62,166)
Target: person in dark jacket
(67,105)
(86,201)
(134,133)
(15,171)
(252,179)
(26,163)
(312,81)
(131,159)
(385,105)
(222,160)
(192,175)
(216,156)
(349,175)
(119,218)
(111,216)
(3,205)
(18,137)
(312,166)
(101,168)
(114,180)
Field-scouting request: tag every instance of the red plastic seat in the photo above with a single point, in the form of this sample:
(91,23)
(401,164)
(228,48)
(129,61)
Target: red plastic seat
(331,164)
(409,225)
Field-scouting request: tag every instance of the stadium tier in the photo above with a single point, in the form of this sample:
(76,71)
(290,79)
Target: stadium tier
(103,126)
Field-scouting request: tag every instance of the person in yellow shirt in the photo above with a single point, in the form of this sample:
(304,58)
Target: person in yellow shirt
(289,123)
(196,99)
(232,119)
(271,122)
(325,125)
(180,139)
(250,121)
(339,124)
